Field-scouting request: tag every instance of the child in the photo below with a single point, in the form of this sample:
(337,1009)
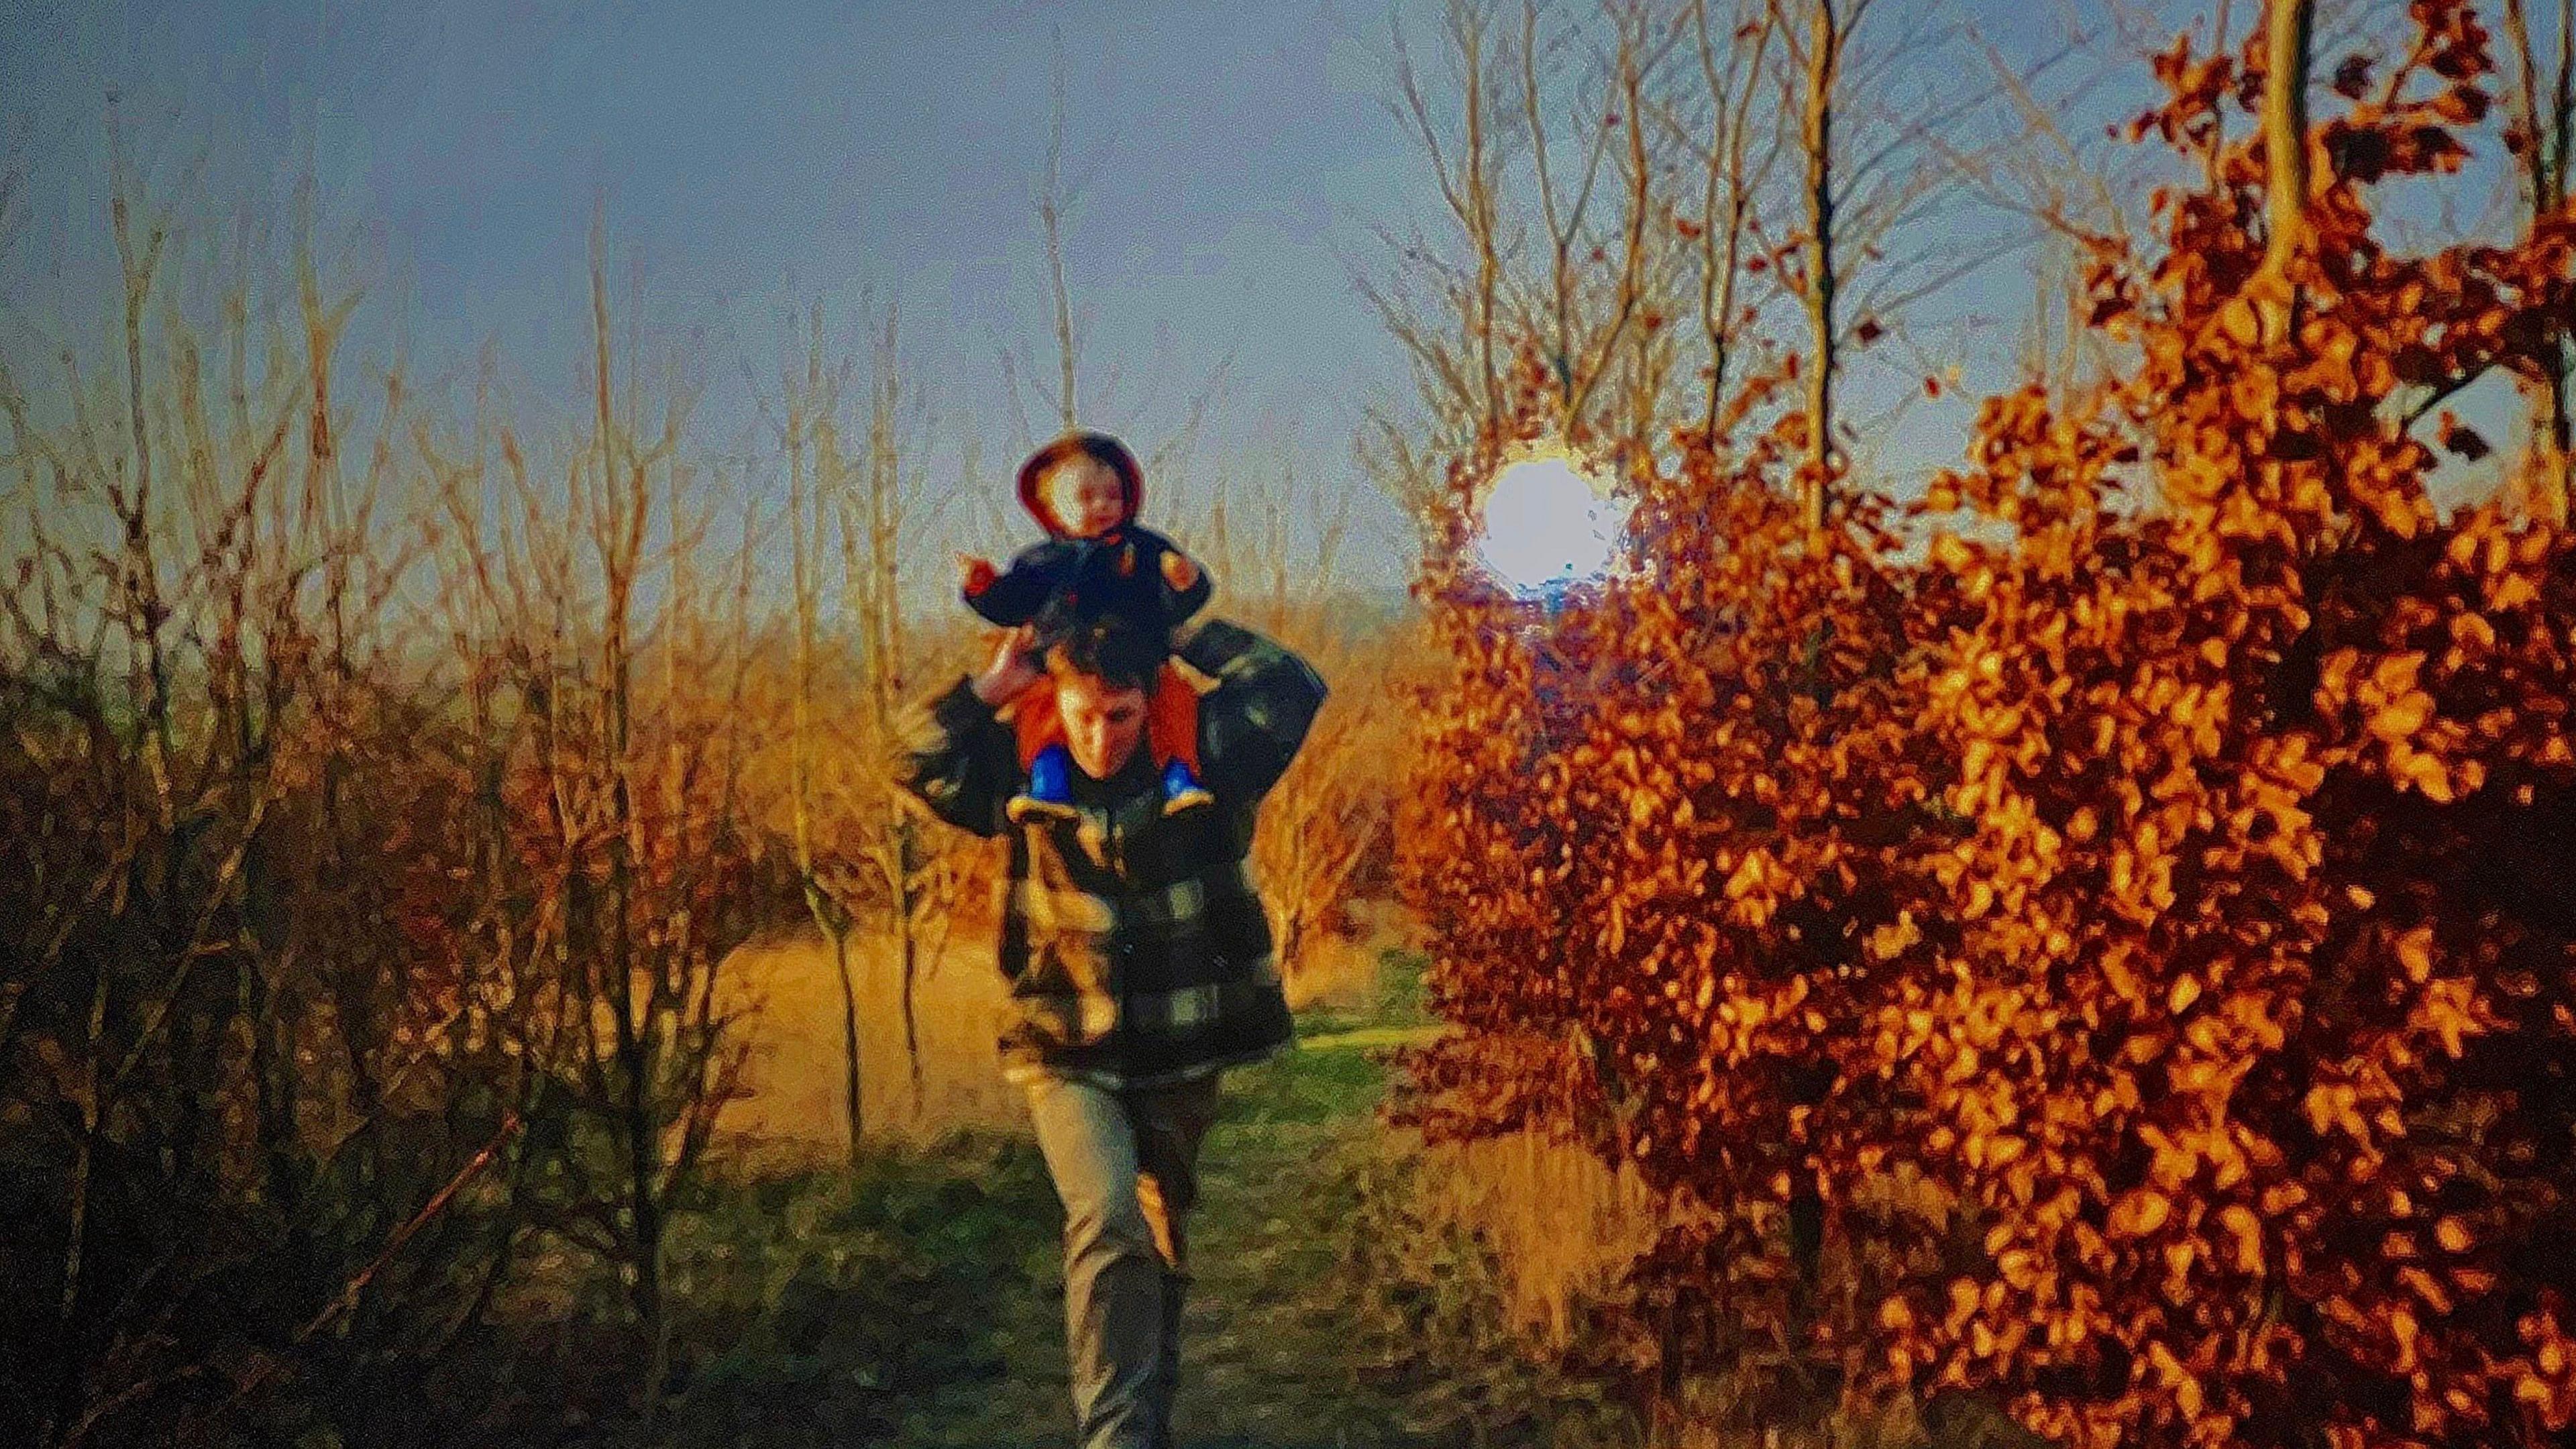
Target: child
(1085,490)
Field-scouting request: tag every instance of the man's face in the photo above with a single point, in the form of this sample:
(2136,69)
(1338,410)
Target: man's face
(1103,722)
(1086,496)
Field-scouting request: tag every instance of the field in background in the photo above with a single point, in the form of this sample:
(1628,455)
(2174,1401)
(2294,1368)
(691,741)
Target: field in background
(790,996)
(1560,1226)
(793,1032)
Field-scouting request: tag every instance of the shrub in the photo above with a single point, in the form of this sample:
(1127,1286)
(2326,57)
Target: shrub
(2154,885)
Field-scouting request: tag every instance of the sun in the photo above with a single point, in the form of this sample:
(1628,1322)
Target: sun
(1547,523)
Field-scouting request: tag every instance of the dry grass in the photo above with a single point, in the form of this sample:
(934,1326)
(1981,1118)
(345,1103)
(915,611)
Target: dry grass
(1564,1225)
(1341,972)
(793,1080)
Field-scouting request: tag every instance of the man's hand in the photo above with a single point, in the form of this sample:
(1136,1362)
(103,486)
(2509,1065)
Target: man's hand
(1013,668)
(974,574)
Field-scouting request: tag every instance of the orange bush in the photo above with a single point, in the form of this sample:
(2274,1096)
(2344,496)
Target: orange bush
(2170,879)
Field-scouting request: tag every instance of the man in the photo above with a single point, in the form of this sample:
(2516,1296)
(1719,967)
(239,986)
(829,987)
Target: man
(1138,955)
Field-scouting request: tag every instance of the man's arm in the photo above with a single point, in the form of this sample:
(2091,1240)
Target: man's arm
(953,753)
(1251,724)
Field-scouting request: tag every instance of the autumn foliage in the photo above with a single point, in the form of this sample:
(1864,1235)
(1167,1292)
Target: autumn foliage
(2138,916)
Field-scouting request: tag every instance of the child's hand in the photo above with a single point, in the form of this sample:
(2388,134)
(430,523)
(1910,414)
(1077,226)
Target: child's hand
(974,574)
(1179,570)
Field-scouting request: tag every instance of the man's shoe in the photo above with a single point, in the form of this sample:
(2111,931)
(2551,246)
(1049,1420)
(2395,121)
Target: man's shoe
(1181,789)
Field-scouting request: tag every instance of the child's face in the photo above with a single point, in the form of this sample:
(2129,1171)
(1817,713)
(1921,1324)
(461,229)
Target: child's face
(1086,497)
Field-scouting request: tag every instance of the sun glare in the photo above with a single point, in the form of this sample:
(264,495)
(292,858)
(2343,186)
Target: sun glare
(1547,525)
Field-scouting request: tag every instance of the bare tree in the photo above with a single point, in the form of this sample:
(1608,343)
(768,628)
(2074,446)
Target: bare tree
(1727,168)
(1829,25)
(809,402)
(1894,195)
(1051,202)
(280,983)
(1054,200)
(1532,247)
(873,514)
(1451,338)
(1581,353)
(654,887)
(2286,27)
(2542,130)
(858,846)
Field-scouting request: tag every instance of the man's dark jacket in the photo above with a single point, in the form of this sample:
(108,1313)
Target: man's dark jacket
(1135,945)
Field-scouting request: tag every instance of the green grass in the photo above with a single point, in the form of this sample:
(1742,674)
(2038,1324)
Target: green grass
(1263,1327)
(1296,1336)
(917,1302)
(823,1306)
(1367,1038)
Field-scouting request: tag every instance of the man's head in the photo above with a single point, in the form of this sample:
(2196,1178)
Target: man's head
(1103,671)
(1082,484)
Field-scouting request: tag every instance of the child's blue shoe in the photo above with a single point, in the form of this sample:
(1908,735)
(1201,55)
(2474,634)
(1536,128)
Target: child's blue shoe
(1051,776)
(1181,789)
(1050,791)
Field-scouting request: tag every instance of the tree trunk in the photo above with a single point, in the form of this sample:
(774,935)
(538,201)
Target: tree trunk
(2545,109)
(906,910)
(1824,46)
(2285,156)
(849,1038)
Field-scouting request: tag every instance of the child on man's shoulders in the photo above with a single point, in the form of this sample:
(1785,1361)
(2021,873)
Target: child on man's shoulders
(1097,561)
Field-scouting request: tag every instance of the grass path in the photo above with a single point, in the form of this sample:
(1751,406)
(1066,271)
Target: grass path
(1277,1353)
(915,1299)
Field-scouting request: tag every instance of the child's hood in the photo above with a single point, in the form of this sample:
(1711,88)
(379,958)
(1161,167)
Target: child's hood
(1131,478)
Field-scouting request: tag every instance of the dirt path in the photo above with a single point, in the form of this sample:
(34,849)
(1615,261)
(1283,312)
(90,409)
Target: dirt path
(1277,1354)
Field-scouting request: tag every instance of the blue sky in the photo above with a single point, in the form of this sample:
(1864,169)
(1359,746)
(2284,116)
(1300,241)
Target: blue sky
(756,158)
(1222,154)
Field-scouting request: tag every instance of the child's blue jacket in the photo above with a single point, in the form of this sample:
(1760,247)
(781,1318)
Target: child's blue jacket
(1064,581)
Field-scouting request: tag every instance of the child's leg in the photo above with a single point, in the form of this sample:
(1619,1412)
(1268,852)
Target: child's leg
(1172,720)
(1035,720)
(1172,732)
(1037,726)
